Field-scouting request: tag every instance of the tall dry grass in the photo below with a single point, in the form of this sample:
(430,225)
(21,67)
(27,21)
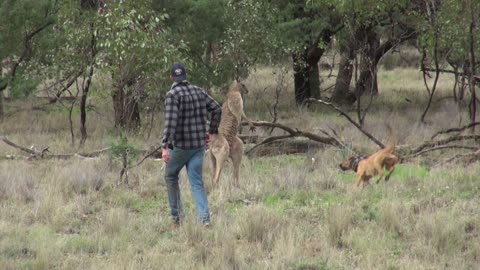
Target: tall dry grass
(289,213)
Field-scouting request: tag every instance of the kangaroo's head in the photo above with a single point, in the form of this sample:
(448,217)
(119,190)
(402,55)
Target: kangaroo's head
(238,86)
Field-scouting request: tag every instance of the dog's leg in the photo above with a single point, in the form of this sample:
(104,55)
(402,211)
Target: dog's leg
(379,170)
(366,181)
(391,166)
(390,169)
(358,180)
(236,153)
(387,177)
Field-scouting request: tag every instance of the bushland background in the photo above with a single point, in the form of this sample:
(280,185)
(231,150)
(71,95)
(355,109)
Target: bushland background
(81,100)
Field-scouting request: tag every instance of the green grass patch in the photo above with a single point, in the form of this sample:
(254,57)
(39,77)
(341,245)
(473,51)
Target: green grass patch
(269,165)
(83,244)
(141,205)
(468,194)
(308,264)
(283,201)
(66,110)
(405,172)
(232,207)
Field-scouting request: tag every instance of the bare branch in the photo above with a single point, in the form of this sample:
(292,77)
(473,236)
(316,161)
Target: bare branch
(149,154)
(27,47)
(474,155)
(21,148)
(444,142)
(293,132)
(43,154)
(376,141)
(65,87)
(442,147)
(269,140)
(455,129)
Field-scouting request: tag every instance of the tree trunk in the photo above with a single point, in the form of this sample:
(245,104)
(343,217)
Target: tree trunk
(89,4)
(125,105)
(2,110)
(473,49)
(313,55)
(86,86)
(341,93)
(306,73)
(83,105)
(314,79)
(301,78)
(367,81)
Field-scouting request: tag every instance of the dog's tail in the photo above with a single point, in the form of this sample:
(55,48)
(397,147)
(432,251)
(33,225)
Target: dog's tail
(392,140)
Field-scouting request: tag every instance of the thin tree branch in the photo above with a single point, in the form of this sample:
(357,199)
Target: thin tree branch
(455,129)
(376,141)
(442,147)
(19,147)
(269,140)
(66,86)
(475,155)
(444,142)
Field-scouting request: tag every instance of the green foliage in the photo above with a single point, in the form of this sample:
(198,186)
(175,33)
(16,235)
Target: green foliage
(120,148)
(223,38)
(249,38)
(23,85)
(74,31)
(19,18)
(448,26)
(124,39)
(130,34)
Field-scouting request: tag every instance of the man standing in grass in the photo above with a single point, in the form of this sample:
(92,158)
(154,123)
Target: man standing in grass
(184,138)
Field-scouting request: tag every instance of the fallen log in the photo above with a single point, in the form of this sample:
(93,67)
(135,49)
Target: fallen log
(285,147)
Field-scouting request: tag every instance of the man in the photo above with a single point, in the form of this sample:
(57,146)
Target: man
(184,138)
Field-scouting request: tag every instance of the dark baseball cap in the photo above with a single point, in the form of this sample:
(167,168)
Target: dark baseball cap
(178,72)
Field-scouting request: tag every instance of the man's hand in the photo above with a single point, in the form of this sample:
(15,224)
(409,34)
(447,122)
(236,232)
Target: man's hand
(165,155)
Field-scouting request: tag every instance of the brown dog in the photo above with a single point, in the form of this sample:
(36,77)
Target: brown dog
(368,167)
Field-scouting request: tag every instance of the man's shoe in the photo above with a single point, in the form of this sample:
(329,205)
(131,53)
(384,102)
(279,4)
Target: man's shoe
(175,225)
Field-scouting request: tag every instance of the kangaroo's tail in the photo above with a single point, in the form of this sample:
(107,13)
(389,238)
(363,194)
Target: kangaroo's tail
(392,140)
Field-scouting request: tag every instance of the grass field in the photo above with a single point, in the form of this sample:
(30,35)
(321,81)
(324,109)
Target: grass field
(289,213)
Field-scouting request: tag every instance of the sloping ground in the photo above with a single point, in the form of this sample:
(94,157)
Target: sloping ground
(291,211)
(287,215)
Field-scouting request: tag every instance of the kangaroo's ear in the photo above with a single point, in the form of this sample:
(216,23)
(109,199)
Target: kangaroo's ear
(236,82)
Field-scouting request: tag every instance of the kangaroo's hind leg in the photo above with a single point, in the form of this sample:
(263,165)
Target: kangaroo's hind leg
(236,154)
(220,152)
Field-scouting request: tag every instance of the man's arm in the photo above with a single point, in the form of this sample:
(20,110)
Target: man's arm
(216,111)
(171,119)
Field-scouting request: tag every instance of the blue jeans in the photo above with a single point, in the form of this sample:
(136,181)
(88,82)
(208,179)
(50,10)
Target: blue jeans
(193,160)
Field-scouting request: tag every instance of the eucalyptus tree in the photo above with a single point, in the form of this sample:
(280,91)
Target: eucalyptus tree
(223,38)
(372,28)
(306,29)
(22,22)
(125,40)
(135,49)
(449,35)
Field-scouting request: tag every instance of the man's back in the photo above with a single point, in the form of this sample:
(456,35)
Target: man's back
(187,108)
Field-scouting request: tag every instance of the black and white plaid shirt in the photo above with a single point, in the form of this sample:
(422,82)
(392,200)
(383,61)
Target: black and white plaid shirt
(186,108)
